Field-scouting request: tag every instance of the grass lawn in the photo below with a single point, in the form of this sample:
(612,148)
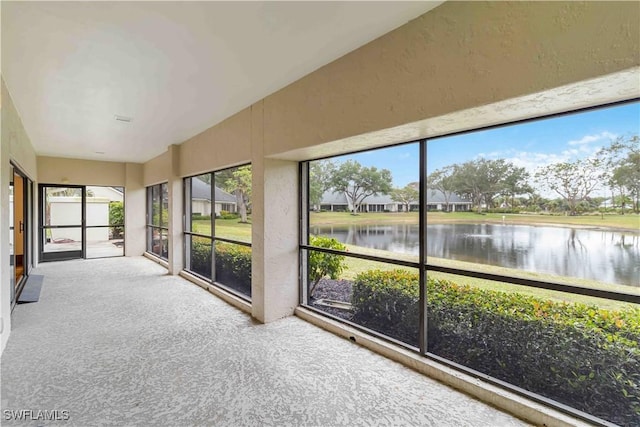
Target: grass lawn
(356,266)
(628,222)
(225,228)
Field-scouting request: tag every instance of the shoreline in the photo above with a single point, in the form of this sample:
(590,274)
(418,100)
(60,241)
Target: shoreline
(539,224)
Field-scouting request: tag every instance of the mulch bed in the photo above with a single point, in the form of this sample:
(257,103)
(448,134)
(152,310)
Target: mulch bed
(337,290)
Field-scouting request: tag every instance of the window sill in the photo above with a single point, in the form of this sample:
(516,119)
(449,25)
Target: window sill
(505,400)
(220,293)
(156,258)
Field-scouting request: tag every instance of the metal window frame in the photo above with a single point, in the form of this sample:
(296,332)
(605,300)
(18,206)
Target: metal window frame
(149,220)
(423,267)
(186,230)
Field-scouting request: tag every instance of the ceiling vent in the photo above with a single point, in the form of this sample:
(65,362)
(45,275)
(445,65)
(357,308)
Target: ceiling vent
(123,118)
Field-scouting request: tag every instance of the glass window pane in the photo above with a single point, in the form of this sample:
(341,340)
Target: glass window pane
(105,242)
(62,239)
(233,267)
(156,241)
(233,203)
(199,255)
(63,206)
(155,205)
(200,204)
(105,206)
(368,201)
(165,205)
(547,198)
(379,296)
(580,351)
(164,250)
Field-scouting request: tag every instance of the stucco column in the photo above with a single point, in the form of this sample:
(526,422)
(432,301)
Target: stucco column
(274,218)
(5,282)
(134,210)
(176,247)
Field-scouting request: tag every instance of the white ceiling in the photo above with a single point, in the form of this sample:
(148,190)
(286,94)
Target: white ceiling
(175,68)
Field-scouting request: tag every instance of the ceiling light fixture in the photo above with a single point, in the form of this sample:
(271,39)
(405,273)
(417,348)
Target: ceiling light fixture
(123,118)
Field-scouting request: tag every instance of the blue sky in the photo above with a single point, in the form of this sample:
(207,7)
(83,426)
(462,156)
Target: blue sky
(530,145)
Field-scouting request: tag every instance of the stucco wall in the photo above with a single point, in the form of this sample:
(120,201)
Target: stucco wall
(459,56)
(15,146)
(156,170)
(227,144)
(56,170)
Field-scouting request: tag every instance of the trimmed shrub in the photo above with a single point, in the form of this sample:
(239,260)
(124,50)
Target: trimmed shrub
(228,215)
(323,264)
(201,258)
(233,266)
(577,354)
(200,217)
(387,302)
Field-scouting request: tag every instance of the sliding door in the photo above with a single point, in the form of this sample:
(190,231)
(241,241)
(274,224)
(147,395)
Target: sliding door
(19,232)
(62,219)
(81,222)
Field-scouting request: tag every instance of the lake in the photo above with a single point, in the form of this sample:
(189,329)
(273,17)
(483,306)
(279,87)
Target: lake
(603,255)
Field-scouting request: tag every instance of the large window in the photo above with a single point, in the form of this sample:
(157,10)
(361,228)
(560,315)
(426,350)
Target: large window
(158,220)
(510,252)
(218,228)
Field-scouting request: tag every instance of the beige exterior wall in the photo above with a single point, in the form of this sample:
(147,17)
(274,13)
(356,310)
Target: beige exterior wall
(463,65)
(156,170)
(56,170)
(459,56)
(134,210)
(15,146)
(210,150)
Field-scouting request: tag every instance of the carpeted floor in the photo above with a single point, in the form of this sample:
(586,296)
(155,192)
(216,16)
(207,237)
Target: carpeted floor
(119,342)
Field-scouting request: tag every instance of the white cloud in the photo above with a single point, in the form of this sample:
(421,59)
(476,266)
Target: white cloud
(588,139)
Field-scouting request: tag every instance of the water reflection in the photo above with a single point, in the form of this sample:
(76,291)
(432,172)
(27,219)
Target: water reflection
(602,255)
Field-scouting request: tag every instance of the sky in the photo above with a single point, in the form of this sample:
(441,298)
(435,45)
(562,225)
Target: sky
(530,145)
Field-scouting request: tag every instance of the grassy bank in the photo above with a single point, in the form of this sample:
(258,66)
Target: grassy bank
(356,266)
(626,222)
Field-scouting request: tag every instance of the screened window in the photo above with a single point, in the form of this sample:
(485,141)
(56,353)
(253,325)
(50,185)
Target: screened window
(218,228)
(511,252)
(158,220)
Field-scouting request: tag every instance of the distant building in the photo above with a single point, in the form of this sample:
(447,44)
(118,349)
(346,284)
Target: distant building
(201,199)
(333,201)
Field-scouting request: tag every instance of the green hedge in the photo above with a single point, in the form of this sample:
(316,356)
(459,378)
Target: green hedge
(580,355)
(233,264)
(201,257)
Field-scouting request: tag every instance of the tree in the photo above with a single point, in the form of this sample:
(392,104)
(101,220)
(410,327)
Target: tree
(238,182)
(322,264)
(573,181)
(116,218)
(358,182)
(621,162)
(480,179)
(443,180)
(405,195)
(515,181)
(320,173)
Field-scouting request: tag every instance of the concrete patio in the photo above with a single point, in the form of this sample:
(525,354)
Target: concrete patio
(119,342)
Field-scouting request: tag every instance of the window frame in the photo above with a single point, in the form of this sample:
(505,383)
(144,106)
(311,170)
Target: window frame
(151,228)
(423,267)
(189,234)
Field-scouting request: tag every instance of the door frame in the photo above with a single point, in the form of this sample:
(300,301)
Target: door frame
(61,255)
(27,216)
